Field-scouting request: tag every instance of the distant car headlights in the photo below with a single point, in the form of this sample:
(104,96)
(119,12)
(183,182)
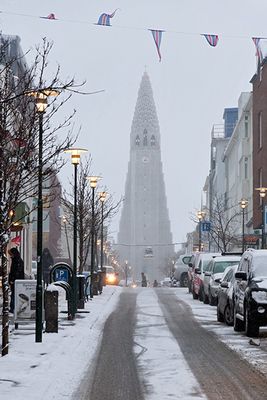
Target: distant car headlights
(259,296)
(111,278)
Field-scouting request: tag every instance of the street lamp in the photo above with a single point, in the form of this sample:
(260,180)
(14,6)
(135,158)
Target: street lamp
(41,105)
(200,216)
(75,160)
(243,204)
(93,182)
(102,198)
(262,192)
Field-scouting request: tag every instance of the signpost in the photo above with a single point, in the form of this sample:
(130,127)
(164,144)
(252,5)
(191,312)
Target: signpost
(61,272)
(205,226)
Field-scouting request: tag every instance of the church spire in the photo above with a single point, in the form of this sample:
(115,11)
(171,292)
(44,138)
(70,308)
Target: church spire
(145,125)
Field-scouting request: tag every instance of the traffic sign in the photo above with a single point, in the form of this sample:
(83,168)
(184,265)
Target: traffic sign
(205,226)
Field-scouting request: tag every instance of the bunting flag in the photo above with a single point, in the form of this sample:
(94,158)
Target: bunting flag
(157,35)
(104,19)
(211,39)
(258,49)
(50,16)
(16,240)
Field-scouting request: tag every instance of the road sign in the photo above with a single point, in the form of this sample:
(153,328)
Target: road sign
(205,226)
(61,272)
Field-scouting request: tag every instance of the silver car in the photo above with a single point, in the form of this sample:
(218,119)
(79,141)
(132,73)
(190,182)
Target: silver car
(213,275)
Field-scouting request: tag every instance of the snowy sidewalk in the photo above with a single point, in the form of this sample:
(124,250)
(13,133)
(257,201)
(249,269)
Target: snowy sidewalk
(53,369)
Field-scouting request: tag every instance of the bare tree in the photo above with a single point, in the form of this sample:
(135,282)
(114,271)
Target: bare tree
(84,216)
(19,125)
(223,225)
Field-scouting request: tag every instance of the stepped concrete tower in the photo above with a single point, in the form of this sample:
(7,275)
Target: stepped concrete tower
(145,239)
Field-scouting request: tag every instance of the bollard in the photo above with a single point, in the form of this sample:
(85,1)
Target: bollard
(51,311)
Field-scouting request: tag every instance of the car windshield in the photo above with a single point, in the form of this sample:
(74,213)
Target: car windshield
(205,265)
(220,266)
(260,266)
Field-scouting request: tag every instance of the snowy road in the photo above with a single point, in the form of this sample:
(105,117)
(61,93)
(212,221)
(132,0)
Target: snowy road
(221,373)
(174,356)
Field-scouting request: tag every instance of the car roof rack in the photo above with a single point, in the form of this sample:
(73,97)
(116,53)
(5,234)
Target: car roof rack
(235,253)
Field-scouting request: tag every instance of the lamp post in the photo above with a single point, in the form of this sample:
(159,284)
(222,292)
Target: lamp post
(200,216)
(41,105)
(243,204)
(102,198)
(75,160)
(93,182)
(262,192)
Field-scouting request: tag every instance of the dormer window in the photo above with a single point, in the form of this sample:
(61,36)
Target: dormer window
(145,138)
(137,140)
(153,140)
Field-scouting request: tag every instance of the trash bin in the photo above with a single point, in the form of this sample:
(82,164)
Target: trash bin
(80,291)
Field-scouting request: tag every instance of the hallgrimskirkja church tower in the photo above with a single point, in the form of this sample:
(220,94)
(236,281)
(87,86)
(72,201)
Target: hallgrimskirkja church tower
(144,238)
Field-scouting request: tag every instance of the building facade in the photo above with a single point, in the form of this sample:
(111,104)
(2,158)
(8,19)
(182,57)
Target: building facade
(259,83)
(145,239)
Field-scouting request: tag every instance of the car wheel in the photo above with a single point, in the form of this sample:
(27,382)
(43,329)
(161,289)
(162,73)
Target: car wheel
(219,315)
(238,324)
(195,296)
(184,280)
(228,315)
(201,294)
(189,286)
(212,300)
(206,299)
(251,328)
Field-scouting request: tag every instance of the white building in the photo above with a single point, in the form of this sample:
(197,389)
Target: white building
(238,166)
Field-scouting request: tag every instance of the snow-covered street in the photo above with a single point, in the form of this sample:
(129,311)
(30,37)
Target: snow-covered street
(144,330)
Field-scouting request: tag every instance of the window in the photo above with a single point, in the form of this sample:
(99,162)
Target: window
(246,126)
(260,130)
(153,140)
(260,184)
(137,140)
(246,168)
(145,138)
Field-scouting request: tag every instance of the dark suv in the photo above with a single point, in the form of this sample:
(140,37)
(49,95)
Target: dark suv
(250,292)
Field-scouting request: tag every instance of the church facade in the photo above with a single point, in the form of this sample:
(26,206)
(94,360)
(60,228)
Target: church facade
(144,238)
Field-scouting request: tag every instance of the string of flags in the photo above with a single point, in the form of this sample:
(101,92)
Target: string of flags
(104,20)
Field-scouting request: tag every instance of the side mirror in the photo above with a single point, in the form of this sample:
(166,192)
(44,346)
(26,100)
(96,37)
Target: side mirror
(207,273)
(224,285)
(241,276)
(218,280)
(190,265)
(197,271)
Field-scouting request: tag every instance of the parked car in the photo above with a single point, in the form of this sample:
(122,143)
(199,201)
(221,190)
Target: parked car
(190,271)
(166,282)
(199,269)
(181,269)
(214,274)
(250,292)
(225,309)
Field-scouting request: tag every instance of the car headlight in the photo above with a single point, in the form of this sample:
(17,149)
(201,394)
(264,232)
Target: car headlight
(259,297)
(111,278)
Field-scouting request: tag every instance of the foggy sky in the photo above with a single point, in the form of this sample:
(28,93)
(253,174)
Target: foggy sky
(192,85)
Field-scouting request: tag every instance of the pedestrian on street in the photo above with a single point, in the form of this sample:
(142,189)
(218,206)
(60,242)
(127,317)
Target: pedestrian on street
(16,272)
(144,281)
(47,262)
(155,283)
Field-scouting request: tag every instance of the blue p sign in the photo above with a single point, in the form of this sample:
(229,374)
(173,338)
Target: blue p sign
(62,274)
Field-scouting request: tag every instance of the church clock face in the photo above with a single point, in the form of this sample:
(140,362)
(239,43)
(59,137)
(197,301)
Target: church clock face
(145,160)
